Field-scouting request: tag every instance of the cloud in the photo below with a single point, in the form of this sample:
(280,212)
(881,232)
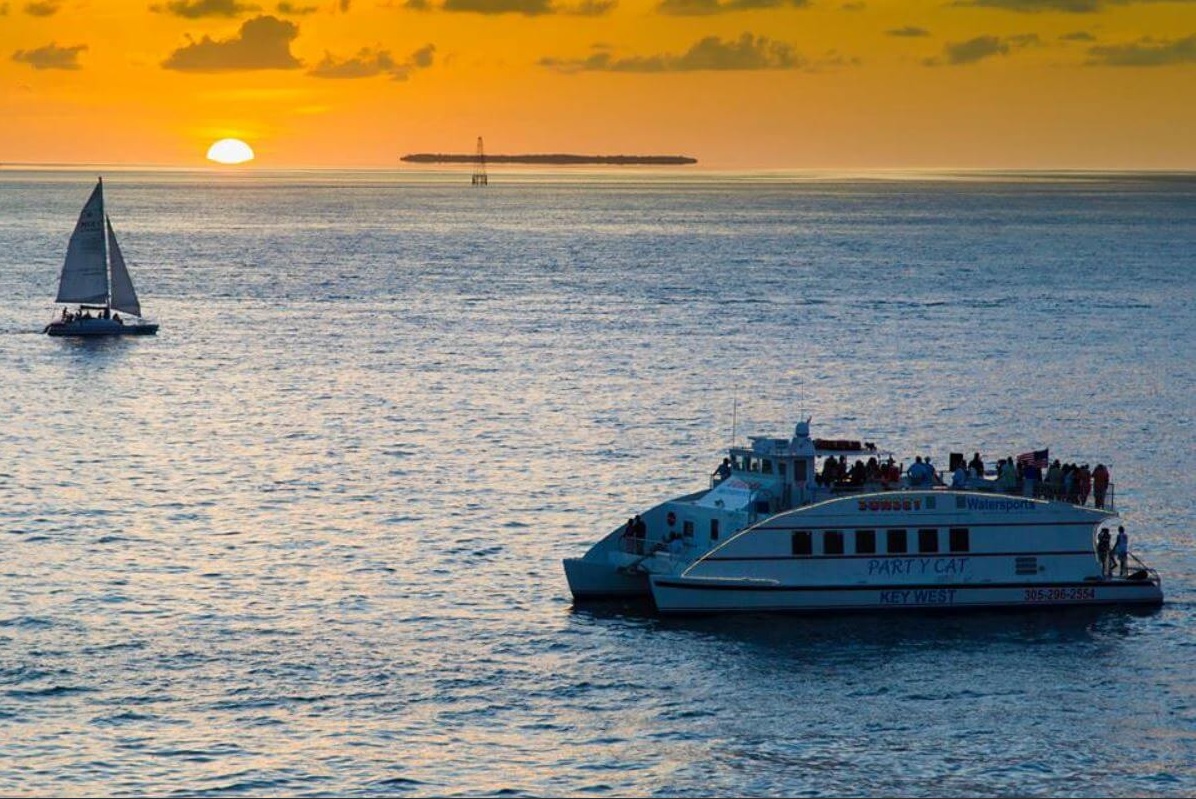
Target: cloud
(854,6)
(980,48)
(1067,6)
(590,8)
(51,56)
(261,43)
(908,30)
(710,54)
(973,50)
(529,8)
(369,63)
(198,9)
(1078,36)
(699,8)
(1146,52)
(42,9)
(294,10)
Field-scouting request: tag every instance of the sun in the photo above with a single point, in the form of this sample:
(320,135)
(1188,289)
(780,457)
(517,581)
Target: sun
(230,151)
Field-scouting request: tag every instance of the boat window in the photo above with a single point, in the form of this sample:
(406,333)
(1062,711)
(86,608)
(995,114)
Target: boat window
(799,471)
(714,529)
(959,539)
(766,467)
(753,464)
(896,541)
(865,542)
(737,462)
(803,542)
(832,542)
(781,468)
(687,529)
(928,540)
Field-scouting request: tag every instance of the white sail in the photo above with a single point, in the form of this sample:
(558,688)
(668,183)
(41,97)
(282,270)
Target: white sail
(124,298)
(84,277)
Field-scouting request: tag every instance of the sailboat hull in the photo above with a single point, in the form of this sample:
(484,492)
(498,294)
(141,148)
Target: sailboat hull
(91,328)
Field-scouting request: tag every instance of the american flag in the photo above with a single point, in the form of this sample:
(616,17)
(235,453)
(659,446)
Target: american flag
(1039,457)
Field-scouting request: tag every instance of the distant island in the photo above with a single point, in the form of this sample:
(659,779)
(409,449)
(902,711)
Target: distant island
(555,159)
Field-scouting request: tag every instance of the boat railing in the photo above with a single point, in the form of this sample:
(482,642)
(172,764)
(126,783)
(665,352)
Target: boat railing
(1151,574)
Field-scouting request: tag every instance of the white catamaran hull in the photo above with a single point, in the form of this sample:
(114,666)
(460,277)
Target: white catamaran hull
(597,579)
(682,595)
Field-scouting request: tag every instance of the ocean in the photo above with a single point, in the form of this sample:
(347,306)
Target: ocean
(307,540)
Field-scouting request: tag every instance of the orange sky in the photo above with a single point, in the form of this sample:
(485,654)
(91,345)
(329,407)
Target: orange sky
(741,84)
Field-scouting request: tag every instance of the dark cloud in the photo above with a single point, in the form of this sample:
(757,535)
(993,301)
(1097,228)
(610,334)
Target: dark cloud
(261,43)
(530,8)
(416,5)
(1032,6)
(51,56)
(712,53)
(699,8)
(857,6)
(908,30)
(975,49)
(294,10)
(590,8)
(369,63)
(1068,6)
(980,48)
(3,9)
(1145,53)
(1078,36)
(198,9)
(42,9)
(344,5)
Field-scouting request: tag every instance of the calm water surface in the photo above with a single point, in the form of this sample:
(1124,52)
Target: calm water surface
(307,540)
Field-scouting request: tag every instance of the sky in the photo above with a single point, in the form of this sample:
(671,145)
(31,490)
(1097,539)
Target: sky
(737,84)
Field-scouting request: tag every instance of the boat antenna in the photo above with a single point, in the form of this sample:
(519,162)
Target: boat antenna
(734,411)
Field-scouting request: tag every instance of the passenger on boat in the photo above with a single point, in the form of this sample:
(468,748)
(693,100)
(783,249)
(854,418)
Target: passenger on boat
(1100,484)
(830,472)
(1084,484)
(724,469)
(960,478)
(977,465)
(641,529)
(1054,481)
(1007,476)
(1121,548)
(919,473)
(116,318)
(1031,477)
(1102,551)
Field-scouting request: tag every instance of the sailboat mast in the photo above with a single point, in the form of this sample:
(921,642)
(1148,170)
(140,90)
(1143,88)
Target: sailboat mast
(108,260)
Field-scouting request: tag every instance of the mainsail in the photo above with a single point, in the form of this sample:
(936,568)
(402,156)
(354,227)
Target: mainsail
(124,298)
(84,277)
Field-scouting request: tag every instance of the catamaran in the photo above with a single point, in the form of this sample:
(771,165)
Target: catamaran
(95,277)
(771,533)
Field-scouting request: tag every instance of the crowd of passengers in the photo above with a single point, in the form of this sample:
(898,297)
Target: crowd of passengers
(1071,482)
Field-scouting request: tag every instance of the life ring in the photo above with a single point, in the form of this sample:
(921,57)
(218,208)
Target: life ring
(671,518)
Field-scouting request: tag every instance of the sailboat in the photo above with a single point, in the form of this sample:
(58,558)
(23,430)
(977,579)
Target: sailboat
(95,277)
